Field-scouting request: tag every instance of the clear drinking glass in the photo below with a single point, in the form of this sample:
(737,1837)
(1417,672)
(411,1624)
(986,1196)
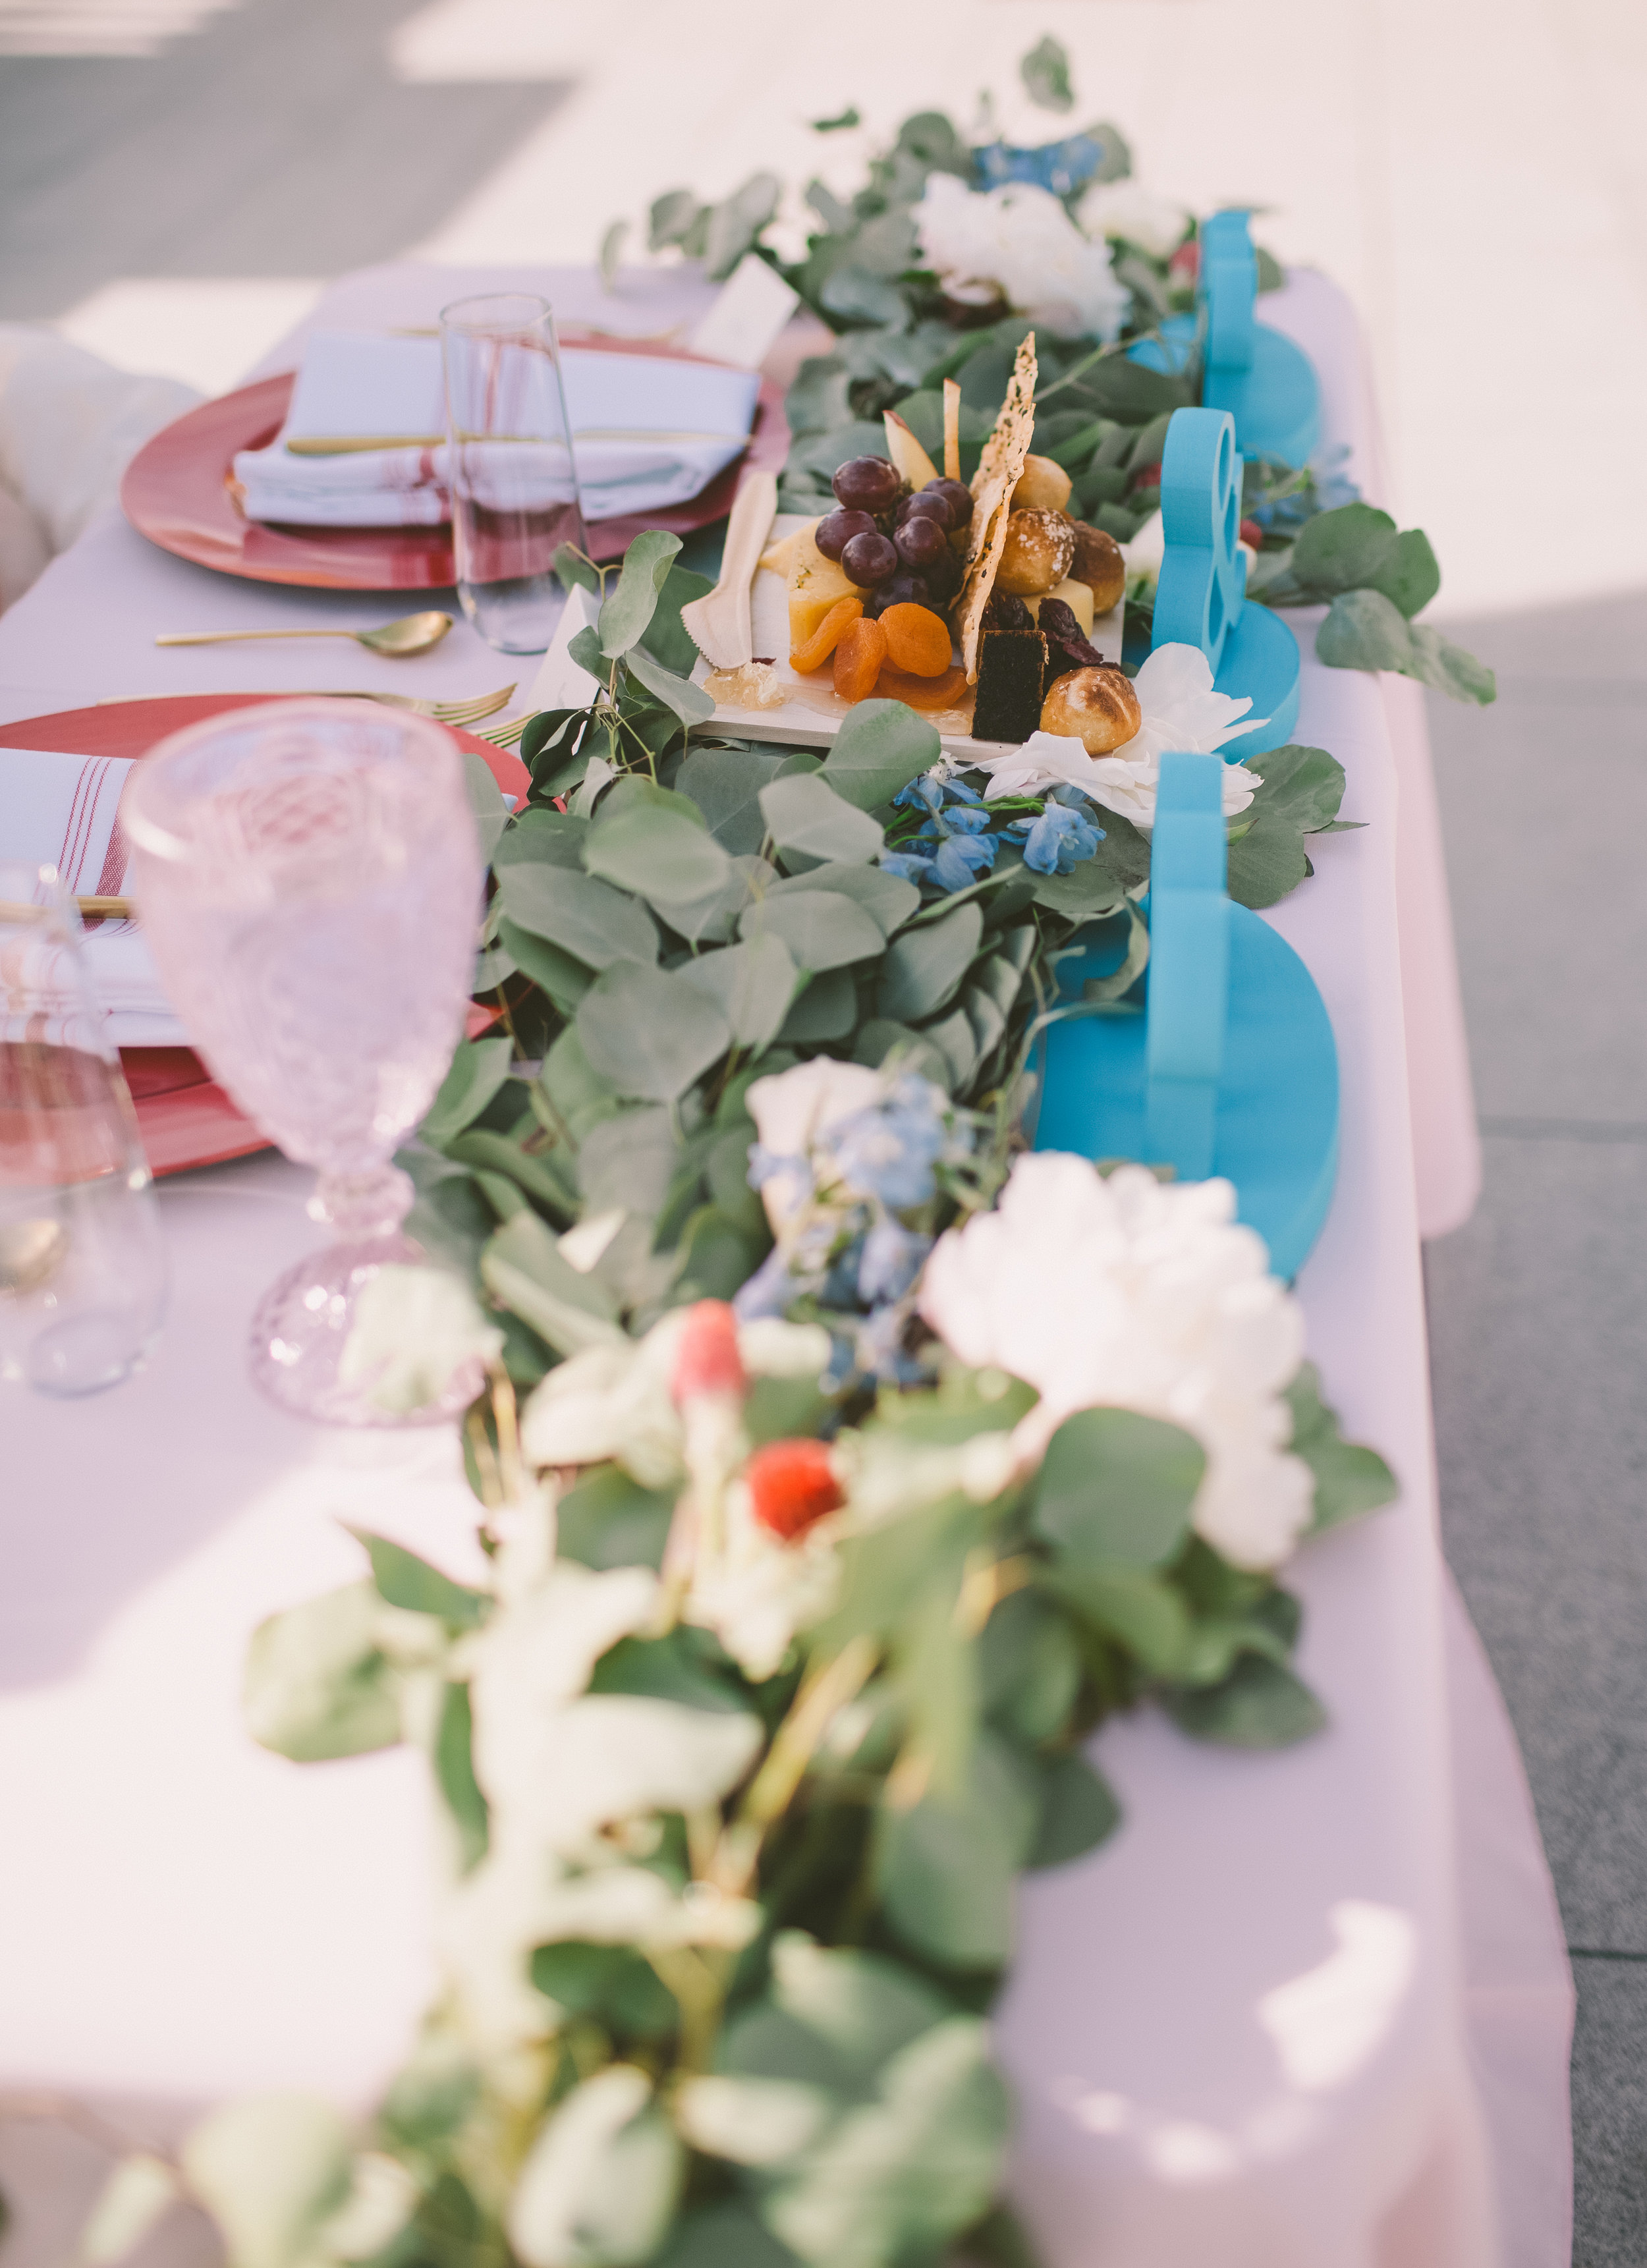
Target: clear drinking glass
(515,479)
(81,1260)
(309,879)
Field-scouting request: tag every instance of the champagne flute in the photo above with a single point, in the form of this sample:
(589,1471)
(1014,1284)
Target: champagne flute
(515,479)
(82,1268)
(309,878)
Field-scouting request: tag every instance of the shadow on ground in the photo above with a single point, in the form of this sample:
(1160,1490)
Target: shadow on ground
(273,143)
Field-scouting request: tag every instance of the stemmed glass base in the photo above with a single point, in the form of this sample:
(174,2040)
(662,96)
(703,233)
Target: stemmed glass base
(303,1323)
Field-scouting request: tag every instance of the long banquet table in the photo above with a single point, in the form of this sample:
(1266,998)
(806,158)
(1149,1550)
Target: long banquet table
(1306,2010)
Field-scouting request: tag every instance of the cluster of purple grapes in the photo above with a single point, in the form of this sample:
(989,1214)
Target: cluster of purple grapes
(895,545)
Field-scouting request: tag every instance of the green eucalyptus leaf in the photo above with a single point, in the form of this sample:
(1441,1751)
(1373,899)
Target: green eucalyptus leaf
(612,1984)
(1437,661)
(725,2235)
(649,1031)
(1258,1705)
(487,807)
(1115,1489)
(479,1069)
(897,2178)
(561,975)
(881,746)
(879,1037)
(405,1580)
(924,967)
(270,2170)
(317,1683)
(1078,1811)
(803,814)
(661,855)
(671,218)
(525,1270)
(821,928)
(752,984)
(545,837)
(827,1009)
(573,570)
(584,648)
(583,916)
(666,639)
(1410,576)
(1349,1479)
(887,899)
(735,224)
(690,702)
(625,615)
(1303,785)
(610,1521)
(1345,549)
(725,783)
(1365,630)
(947,1867)
(454,1774)
(1267,863)
(1133,1606)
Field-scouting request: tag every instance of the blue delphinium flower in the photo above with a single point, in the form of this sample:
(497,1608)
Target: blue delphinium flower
(1060,166)
(1058,840)
(957,861)
(890,1261)
(889,1150)
(923,793)
(769,1291)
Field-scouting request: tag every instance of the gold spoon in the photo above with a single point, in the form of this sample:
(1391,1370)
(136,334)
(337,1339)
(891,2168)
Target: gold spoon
(411,634)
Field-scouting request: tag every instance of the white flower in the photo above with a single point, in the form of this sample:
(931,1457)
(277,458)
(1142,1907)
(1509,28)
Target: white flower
(1019,241)
(1139,1295)
(570,2173)
(414,1330)
(615,1401)
(1144,554)
(792,1109)
(1126,209)
(633,1905)
(1180,711)
(759,1590)
(611,1402)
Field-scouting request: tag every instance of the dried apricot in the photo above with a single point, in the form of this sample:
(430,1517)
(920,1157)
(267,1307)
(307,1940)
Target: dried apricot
(823,640)
(917,640)
(946,692)
(858,660)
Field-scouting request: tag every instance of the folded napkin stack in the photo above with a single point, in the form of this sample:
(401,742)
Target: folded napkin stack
(647,432)
(63,810)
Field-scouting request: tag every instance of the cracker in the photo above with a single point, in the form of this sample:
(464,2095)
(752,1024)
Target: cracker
(997,473)
(951,430)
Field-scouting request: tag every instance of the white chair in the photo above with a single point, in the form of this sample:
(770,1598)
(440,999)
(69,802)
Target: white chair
(70,423)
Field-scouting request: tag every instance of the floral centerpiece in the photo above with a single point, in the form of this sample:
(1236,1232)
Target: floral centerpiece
(841,1467)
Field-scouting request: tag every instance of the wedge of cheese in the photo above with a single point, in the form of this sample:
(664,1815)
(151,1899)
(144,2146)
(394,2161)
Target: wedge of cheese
(1076,596)
(778,558)
(815,585)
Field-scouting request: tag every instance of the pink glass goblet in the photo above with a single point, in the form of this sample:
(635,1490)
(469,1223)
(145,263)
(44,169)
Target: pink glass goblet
(309,878)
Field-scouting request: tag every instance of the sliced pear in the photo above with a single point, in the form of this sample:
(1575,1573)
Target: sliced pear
(1076,596)
(906,453)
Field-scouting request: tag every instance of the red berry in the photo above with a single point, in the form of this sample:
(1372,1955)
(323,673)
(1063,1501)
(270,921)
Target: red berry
(707,1360)
(792,1485)
(1146,476)
(1186,260)
(1252,533)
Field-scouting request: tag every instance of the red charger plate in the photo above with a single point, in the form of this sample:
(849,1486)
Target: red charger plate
(185,1118)
(177,492)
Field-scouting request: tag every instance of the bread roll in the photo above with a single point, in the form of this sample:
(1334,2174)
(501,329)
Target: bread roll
(1043,486)
(1097,707)
(1040,546)
(1101,564)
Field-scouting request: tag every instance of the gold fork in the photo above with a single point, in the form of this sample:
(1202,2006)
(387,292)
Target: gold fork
(444,712)
(505,736)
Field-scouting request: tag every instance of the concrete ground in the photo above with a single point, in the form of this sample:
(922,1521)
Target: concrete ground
(177,177)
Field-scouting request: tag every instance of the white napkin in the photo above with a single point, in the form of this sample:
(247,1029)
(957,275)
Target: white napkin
(63,810)
(647,434)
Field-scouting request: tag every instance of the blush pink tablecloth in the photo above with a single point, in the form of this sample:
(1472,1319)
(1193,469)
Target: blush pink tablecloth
(1308,2010)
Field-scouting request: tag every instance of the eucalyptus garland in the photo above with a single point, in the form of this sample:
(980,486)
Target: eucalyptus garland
(841,1468)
